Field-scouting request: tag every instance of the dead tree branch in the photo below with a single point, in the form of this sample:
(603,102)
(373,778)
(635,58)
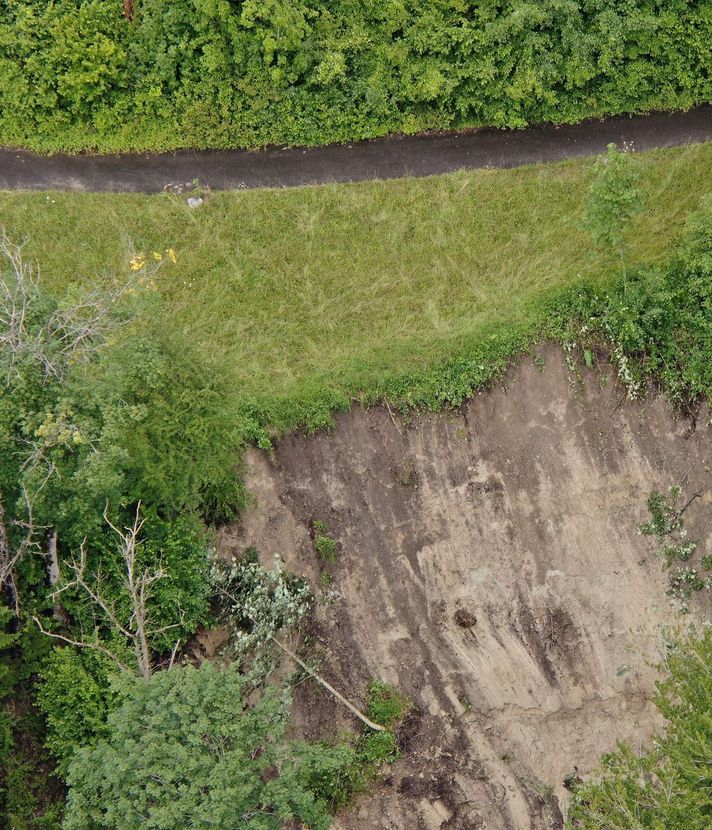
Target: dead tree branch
(69,333)
(12,553)
(97,646)
(136,583)
(363,718)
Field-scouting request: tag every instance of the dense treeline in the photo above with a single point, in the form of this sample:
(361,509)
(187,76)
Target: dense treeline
(105,414)
(218,73)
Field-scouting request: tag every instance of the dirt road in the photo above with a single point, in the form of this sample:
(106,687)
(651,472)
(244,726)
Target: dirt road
(387,158)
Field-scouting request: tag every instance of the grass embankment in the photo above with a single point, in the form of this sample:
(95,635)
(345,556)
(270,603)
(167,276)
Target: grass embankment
(311,296)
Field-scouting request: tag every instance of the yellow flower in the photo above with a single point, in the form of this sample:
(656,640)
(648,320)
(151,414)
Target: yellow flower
(157,255)
(137,262)
(172,255)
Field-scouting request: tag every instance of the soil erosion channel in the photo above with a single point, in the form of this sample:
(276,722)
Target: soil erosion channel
(490,568)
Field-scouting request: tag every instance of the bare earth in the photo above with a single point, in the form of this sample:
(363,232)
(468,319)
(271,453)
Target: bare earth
(489,567)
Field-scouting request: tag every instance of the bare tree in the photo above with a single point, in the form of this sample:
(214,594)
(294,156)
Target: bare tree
(12,553)
(137,584)
(67,334)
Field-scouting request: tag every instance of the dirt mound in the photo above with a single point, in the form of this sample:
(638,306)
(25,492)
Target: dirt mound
(489,567)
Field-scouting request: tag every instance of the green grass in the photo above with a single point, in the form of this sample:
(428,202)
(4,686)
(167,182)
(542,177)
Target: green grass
(312,296)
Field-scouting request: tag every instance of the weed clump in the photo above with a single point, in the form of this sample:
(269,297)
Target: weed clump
(325,547)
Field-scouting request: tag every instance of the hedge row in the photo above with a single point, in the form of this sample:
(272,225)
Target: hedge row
(76,74)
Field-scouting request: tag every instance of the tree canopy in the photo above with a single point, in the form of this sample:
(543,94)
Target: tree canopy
(186,748)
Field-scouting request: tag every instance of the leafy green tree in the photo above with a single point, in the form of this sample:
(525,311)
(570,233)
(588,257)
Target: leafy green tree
(670,785)
(200,73)
(187,749)
(614,199)
(75,697)
(7,680)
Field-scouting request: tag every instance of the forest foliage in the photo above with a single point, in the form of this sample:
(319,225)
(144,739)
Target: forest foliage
(76,74)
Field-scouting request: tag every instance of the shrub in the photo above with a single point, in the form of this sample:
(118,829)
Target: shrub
(385,705)
(204,73)
(324,546)
(126,412)
(75,697)
(668,785)
(660,328)
(336,773)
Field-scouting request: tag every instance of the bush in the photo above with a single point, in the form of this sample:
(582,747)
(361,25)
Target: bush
(325,547)
(659,327)
(336,773)
(75,698)
(202,73)
(614,199)
(668,785)
(385,705)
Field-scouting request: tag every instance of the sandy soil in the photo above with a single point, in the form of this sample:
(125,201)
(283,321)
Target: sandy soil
(489,567)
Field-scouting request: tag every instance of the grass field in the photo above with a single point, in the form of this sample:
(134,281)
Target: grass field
(311,296)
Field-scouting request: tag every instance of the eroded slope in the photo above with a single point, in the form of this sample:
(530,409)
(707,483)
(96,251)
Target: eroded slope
(489,568)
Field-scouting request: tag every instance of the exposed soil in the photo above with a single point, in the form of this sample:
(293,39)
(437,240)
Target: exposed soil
(489,567)
(385,158)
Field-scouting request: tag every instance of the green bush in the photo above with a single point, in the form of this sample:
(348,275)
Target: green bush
(377,747)
(75,697)
(336,773)
(325,547)
(659,326)
(385,705)
(212,73)
(155,412)
(670,784)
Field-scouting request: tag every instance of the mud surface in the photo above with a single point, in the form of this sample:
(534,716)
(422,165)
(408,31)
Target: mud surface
(489,567)
(387,158)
